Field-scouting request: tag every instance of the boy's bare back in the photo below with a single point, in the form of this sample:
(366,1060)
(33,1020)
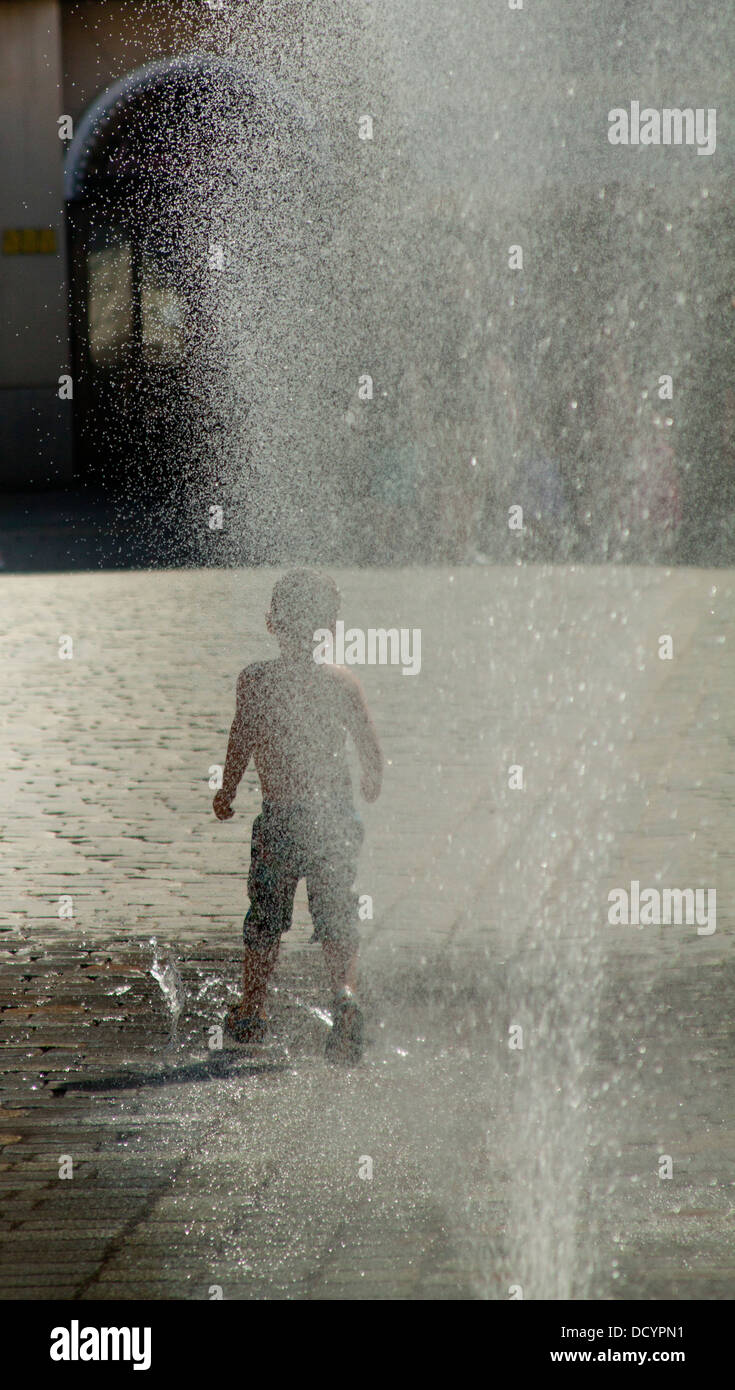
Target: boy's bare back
(293,714)
(292,717)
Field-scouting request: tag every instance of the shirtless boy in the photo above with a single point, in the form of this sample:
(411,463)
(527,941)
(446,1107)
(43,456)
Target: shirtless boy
(292,716)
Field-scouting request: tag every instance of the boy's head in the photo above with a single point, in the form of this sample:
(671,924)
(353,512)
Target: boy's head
(301,602)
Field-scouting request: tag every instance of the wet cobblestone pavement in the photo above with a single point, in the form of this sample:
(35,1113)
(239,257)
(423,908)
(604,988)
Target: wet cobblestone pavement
(197,1169)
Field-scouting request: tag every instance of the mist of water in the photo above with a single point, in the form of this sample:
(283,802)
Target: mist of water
(321,257)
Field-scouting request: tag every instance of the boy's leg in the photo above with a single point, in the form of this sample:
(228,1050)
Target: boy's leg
(333,905)
(246,1021)
(257,968)
(271,888)
(345,1042)
(341,961)
(333,901)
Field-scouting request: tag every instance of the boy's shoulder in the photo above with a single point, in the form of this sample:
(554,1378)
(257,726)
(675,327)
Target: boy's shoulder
(254,674)
(344,677)
(258,674)
(348,686)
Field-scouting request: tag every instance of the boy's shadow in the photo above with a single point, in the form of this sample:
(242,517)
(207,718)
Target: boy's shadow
(209,1069)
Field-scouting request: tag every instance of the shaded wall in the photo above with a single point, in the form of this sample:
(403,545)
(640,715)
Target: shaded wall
(35,425)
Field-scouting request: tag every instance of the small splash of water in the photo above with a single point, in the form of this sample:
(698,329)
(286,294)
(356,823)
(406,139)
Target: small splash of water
(321,1014)
(171,985)
(211,983)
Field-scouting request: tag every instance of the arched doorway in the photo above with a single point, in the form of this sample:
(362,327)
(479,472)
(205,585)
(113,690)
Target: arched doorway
(151,161)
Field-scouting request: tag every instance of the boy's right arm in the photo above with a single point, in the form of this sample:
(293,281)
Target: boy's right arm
(239,751)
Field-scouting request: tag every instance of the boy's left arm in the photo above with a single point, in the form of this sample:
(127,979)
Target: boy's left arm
(239,750)
(365,735)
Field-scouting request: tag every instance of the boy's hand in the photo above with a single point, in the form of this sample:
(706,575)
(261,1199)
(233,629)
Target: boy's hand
(370,784)
(221,807)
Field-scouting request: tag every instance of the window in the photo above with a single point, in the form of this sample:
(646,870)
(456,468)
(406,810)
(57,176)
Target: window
(162,315)
(110,289)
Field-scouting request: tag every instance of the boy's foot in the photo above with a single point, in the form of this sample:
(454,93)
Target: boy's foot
(345,1042)
(245,1028)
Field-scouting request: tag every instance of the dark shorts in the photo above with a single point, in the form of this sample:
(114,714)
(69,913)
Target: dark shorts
(293,842)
